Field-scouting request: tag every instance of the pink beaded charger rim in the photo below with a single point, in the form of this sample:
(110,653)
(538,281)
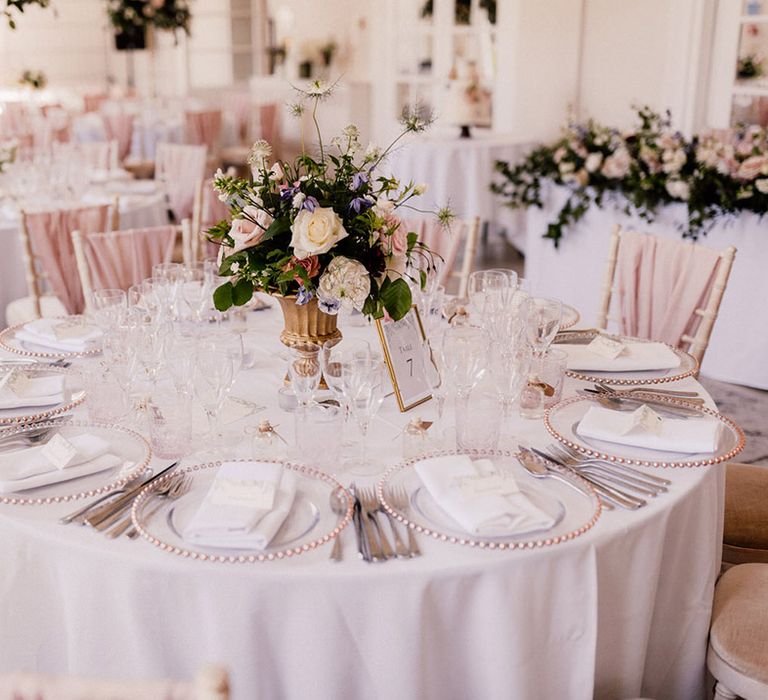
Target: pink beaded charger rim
(8,333)
(469,540)
(687,368)
(588,451)
(571,317)
(286,553)
(122,479)
(26,419)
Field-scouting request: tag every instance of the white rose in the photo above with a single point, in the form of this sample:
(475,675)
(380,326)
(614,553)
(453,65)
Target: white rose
(316,232)
(346,281)
(678,189)
(617,165)
(593,162)
(762,185)
(673,160)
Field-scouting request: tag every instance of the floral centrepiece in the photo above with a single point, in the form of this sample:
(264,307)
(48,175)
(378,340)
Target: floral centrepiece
(326,227)
(714,174)
(128,16)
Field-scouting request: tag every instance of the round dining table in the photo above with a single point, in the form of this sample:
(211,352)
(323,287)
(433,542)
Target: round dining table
(621,611)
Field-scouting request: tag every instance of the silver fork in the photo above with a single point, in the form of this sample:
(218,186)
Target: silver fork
(400,500)
(622,467)
(400,549)
(173,490)
(370,507)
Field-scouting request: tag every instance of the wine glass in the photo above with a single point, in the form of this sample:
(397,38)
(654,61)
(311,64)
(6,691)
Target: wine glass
(436,375)
(464,355)
(543,323)
(510,368)
(304,371)
(364,389)
(106,306)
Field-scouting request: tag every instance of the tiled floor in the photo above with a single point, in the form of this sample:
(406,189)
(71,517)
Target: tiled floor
(747,406)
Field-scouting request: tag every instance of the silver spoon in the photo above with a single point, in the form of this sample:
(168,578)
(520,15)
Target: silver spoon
(339,507)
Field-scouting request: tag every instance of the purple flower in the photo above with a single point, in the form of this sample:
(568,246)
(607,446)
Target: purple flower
(287,193)
(310,204)
(359,179)
(304,296)
(360,204)
(328,305)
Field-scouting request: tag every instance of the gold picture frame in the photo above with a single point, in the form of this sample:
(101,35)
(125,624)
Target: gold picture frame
(412,388)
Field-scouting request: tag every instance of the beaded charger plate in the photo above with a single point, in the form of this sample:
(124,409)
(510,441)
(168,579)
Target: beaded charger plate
(687,367)
(130,451)
(10,341)
(72,395)
(562,420)
(573,507)
(570,317)
(310,524)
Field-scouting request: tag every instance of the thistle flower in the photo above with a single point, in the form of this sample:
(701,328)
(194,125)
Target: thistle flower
(259,153)
(296,109)
(446,216)
(416,119)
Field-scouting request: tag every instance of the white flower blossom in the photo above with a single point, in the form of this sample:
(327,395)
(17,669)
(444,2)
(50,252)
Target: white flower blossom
(420,189)
(260,151)
(298,200)
(762,185)
(346,281)
(678,189)
(593,162)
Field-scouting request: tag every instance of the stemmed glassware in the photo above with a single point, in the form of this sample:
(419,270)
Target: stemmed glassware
(304,372)
(195,290)
(364,381)
(544,316)
(107,305)
(464,353)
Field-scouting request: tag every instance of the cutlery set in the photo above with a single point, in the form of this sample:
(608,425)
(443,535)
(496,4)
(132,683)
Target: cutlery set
(373,543)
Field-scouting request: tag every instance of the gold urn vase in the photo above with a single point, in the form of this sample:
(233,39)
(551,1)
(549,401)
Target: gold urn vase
(306,323)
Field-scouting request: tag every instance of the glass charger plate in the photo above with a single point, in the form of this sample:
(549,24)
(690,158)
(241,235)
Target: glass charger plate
(575,508)
(570,317)
(9,341)
(73,395)
(132,449)
(687,367)
(310,524)
(562,419)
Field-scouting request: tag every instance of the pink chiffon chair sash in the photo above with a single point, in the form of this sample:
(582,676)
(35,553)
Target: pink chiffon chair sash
(440,240)
(32,686)
(50,238)
(270,124)
(119,127)
(180,167)
(237,106)
(204,128)
(660,282)
(120,259)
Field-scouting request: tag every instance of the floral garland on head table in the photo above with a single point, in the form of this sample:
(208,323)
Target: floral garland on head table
(716,174)
(326,226)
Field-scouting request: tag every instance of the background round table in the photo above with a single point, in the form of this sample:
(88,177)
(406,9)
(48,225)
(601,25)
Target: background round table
(619,612)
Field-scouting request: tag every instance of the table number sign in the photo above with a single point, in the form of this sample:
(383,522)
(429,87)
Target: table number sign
(406,356)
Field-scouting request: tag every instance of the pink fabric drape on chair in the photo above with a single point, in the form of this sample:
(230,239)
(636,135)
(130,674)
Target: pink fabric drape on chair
(237,107)
(119,127)
(440,240)
(50,238)
(270,125)
(180,167)
(660,282)
(204,128)
(120,259)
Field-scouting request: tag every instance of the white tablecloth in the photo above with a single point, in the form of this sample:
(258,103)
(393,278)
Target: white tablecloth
(620,612)
(459,173)
(136,211)
(574,272)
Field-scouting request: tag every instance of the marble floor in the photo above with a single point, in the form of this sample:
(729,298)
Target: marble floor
(747,406)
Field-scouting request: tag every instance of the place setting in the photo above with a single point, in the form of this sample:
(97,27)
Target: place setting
(31,392)
(53,338)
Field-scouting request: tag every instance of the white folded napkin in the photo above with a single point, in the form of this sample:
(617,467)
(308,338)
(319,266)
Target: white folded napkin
(692,436)
(478,513)
(39,391)
(233,513)
(635,357)
(42,332)
(29,468)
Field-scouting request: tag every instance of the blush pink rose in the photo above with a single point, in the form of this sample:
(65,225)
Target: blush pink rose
(245,233)
(395,236)
(310,264)
(752,167)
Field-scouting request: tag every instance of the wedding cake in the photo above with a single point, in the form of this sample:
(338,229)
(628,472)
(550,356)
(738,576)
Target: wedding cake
(467,102)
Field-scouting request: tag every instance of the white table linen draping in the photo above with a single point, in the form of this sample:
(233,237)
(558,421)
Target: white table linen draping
(136,211)
(459,173)
(574,272)
(620,612)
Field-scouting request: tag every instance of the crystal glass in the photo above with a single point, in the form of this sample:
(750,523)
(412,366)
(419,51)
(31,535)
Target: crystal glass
(464,353)
(317,431)
(304,371)
(195,292)
(437,377)
(510,367)
(478,421)
(107,305)
(107,398)
(544,316)
(486,287)
(548,372)
(364,389)
(170,424)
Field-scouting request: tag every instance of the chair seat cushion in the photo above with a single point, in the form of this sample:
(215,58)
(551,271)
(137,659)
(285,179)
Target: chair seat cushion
(739,632)
(22,310)
(746,506)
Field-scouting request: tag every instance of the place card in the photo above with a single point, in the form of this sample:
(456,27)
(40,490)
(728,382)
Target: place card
(243,492)
(67,330)
(406,353)
(16,381)
(59,451)
(487,484)
(644,419)
(606,347)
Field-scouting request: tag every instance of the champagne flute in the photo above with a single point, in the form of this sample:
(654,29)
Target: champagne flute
(543,323)
(364,389)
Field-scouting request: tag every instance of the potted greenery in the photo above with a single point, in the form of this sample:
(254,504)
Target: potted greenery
(131,19)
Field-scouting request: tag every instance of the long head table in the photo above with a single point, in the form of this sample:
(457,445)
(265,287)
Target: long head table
(621,611)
